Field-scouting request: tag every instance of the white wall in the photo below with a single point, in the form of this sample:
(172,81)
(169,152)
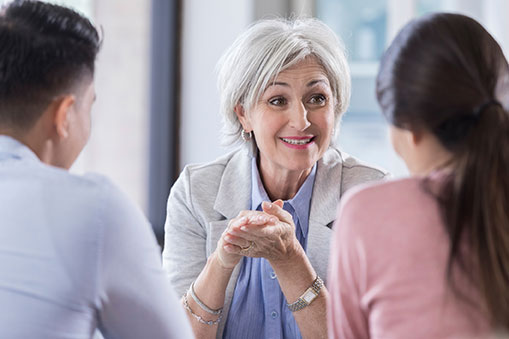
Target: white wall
(209,27)
(118,147)
(492,14)
(497,23)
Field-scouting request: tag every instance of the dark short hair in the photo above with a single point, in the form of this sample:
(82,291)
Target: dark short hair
(45,50)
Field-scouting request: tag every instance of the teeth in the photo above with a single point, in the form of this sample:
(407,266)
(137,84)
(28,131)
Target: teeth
(297,141)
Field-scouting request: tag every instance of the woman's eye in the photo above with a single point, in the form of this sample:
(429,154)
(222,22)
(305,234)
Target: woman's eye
(279,101)
(318,100)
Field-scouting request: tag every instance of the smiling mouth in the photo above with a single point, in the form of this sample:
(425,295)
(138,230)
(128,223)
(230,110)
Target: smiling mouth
(299,141)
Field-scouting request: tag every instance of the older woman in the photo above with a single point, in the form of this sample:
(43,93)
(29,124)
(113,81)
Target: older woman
(247,235)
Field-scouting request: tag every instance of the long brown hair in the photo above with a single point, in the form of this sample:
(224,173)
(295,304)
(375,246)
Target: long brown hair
(446,74)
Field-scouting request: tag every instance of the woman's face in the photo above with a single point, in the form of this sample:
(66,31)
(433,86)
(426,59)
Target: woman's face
(293,121)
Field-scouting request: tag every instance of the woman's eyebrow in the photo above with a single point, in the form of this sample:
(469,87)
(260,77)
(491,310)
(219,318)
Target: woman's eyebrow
(309,84)
(317,81)
(278,83)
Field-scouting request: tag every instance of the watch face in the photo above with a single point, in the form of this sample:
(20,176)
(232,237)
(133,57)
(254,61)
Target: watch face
(309,296)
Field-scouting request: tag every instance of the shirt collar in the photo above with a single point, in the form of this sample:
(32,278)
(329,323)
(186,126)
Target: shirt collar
(300,203)
(12,148)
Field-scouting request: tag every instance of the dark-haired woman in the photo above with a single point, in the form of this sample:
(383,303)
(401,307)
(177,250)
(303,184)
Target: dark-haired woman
(428,256)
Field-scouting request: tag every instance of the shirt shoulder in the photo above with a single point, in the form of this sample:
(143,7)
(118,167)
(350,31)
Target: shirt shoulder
(378,196)
(373,191)
(79,183)
(393,212)
(94,199)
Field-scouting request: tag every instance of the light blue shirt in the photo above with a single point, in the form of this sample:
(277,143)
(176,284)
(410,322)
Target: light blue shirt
(75,255)
(258,308)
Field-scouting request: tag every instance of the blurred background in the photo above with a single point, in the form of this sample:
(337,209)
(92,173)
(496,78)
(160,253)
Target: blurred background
(157,102)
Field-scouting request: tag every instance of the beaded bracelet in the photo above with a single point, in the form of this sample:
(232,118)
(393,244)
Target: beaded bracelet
(200,319)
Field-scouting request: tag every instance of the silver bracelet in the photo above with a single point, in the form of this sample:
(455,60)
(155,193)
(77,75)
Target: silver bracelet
(201,304)
(200,319)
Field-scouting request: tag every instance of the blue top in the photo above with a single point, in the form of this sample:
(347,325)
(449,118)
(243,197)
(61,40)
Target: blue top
(258,308)
(75,255)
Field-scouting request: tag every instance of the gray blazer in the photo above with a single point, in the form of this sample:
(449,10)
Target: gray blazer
(206,196)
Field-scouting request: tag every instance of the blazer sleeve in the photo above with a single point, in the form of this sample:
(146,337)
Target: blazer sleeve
(359,175)
(184,254)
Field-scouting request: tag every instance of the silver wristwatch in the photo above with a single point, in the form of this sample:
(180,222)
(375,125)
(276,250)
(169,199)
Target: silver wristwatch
(308,296)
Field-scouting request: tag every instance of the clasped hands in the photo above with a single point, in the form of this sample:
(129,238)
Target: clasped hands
(268,234)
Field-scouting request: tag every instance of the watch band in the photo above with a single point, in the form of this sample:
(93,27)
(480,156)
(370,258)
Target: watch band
(308,296)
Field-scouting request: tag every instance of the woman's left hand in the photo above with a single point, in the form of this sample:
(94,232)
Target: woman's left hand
(271,233)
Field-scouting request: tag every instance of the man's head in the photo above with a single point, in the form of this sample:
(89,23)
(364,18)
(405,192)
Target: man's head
(47,57)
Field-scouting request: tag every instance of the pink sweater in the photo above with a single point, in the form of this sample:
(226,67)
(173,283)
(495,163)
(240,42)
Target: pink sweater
(387,277)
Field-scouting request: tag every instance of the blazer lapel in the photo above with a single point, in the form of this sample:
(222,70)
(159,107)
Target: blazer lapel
(216,230)
(324,203)
(234,193)
(233,196)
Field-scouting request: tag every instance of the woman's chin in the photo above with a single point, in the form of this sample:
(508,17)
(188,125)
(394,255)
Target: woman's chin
(299,165)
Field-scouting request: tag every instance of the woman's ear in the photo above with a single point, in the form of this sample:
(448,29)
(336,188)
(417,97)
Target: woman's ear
(243,118)
(415,136)
(61,116)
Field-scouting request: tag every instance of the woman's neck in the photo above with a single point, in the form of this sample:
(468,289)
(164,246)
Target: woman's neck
(281,183)
(428,156)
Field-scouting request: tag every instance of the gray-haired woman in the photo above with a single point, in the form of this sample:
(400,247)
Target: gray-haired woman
(247,235)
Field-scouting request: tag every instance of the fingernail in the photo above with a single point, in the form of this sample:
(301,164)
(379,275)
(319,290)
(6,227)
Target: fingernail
(244,228)
(269,205)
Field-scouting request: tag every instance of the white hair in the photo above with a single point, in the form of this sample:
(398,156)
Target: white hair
(264,50)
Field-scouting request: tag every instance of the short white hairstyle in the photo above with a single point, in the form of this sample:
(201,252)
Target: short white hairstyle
(264,50)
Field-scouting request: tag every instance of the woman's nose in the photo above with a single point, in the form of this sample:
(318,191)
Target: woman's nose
(299,117)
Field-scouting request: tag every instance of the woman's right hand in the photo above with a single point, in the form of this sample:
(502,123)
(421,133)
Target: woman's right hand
(229,245)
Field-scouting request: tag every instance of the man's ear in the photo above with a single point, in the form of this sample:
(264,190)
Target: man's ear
(61,108)
(242,116)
